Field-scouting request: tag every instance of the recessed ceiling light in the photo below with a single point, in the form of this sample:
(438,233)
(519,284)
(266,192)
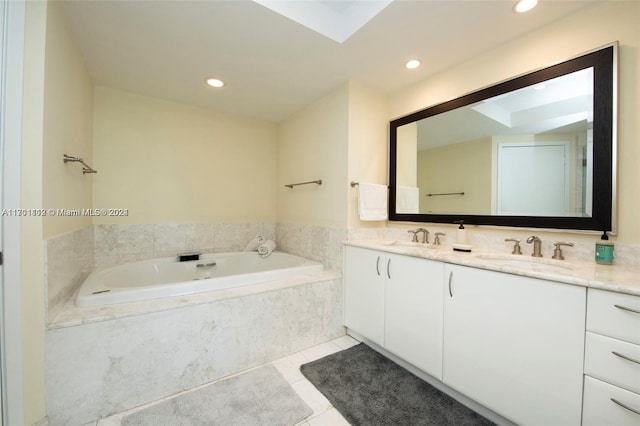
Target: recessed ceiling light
(524,5)
(412,64)
(214,82)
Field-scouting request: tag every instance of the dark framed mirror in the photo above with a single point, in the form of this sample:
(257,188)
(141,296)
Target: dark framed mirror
(534,151)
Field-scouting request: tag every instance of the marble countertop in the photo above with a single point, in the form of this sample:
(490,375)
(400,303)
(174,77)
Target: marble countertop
(621,279)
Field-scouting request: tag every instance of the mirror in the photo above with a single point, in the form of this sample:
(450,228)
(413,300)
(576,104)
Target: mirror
(534,151)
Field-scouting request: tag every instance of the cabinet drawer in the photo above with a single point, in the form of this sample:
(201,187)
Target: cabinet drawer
(614,314)
(600,409)
(602,362)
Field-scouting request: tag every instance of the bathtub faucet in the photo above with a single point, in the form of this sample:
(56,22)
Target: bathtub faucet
(185,257)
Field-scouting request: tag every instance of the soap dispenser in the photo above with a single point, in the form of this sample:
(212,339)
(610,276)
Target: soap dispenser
(604,250)
(461,238)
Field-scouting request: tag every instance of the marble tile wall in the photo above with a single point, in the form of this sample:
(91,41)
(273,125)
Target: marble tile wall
(98,369)
(116,244)
(318,243)
(69,260)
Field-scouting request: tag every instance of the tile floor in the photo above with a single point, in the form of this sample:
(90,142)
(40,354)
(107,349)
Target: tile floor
(289,366)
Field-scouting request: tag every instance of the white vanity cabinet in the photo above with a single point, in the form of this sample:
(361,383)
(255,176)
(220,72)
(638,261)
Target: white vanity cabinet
(612,359)
(413,312)
(396,302)
(364,280)
(515,344)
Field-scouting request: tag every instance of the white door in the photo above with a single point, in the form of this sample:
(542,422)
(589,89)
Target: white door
(533,179)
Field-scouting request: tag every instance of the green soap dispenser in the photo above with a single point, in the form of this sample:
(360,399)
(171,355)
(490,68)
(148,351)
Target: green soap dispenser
(604,250)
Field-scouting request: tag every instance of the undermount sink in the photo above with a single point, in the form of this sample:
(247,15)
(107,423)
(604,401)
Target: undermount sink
(411,244)
(527,262)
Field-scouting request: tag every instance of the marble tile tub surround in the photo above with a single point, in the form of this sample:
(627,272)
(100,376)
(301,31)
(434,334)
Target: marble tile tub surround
(319,243)
(69,259)
(116,244)
(102,368)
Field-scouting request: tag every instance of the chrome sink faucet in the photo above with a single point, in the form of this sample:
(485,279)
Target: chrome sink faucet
(415,232)
(425,235)
(537,245)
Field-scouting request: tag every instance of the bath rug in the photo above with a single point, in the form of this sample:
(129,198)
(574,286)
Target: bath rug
(369,389)
(257,397)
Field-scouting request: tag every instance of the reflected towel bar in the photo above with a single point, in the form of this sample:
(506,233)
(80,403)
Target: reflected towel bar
(445,193)
(317,182)
(86,169)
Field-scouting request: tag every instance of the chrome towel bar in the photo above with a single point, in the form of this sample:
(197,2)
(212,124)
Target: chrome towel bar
(86,169)
(317,182)
(445,193)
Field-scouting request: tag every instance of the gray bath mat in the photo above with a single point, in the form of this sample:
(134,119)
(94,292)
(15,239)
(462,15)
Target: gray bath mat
(258,397)
(369,389)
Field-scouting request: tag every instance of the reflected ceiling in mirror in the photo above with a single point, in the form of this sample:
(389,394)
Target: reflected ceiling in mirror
(535,151)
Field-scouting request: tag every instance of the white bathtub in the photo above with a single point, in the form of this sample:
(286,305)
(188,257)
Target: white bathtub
(157,278)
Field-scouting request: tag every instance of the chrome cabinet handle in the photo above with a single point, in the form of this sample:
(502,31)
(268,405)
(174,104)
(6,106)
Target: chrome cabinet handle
(633,410)
(624,308)
(388,264)
(378,266)
(450,276)
(625,357)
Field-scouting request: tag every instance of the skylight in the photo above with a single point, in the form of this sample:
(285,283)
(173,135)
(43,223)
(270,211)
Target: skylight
(337,20)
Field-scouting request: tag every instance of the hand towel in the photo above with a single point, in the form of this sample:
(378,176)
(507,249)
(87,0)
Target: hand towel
(372,201)
(255,243)
(407,199)
(266,248)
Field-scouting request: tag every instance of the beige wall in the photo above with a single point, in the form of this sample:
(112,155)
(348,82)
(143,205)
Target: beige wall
(462,167)
(594,26)
(407,148)
(312,144)
(31,229)
(68,100)
(168,162)
(368,112)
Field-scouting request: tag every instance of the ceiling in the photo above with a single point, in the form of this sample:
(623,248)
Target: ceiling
(273,65)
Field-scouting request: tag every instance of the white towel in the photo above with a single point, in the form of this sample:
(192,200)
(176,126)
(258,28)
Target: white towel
(372,201)
(407,199)
(255,243)
(266,248)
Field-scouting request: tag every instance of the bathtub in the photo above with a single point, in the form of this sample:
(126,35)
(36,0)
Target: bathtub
(166,277)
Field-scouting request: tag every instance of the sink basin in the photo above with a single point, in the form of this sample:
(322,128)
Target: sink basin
(528,262)
(411,244)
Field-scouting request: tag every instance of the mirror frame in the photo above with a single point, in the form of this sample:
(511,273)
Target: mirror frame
(604,62)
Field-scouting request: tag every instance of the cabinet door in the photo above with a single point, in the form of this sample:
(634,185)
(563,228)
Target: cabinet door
(515,344)
(413,312)
(364,292)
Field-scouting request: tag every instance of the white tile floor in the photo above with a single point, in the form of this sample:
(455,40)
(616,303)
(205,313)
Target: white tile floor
(289,367)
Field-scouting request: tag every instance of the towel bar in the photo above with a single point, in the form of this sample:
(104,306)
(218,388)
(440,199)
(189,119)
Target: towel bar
(317,182)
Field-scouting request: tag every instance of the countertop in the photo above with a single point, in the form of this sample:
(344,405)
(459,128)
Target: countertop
(617,278)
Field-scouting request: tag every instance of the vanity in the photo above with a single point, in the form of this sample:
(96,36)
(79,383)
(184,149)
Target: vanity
(536,341)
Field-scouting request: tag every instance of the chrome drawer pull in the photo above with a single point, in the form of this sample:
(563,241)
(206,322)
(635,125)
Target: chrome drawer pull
(625,357)
(625,406)
(378,266)
(450,276)
(627,309)
(388,273)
